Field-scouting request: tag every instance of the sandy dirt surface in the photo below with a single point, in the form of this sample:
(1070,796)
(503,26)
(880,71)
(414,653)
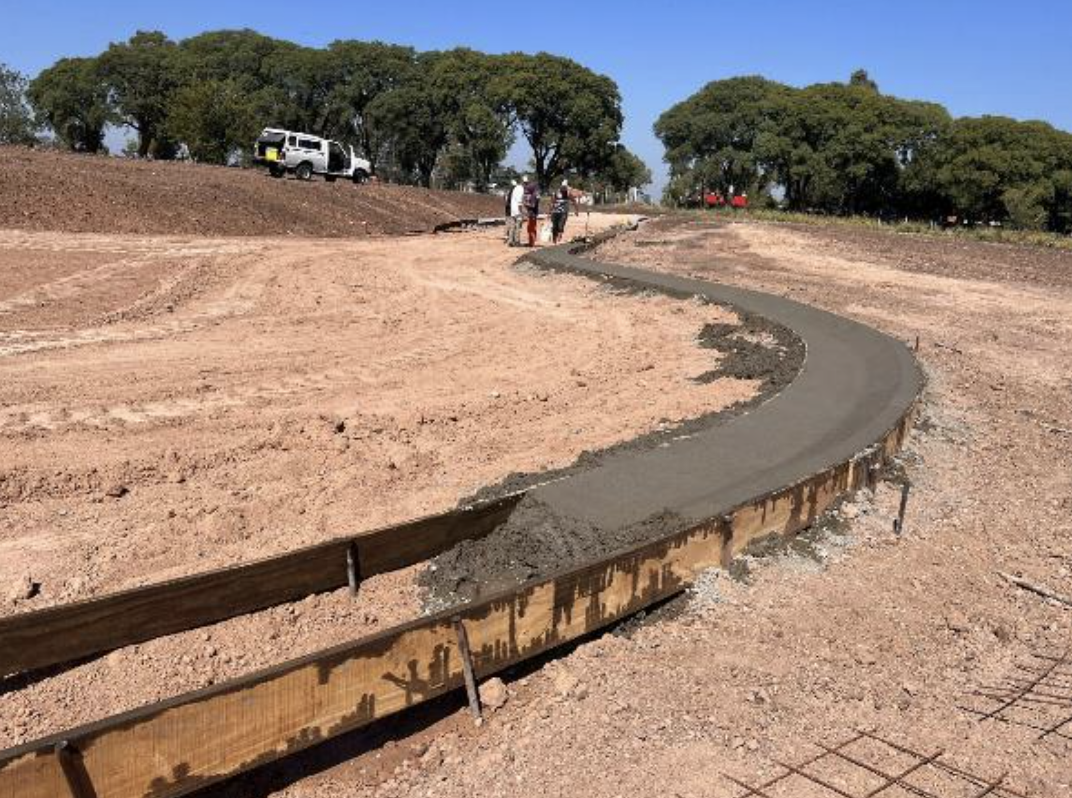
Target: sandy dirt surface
(51,190)
(172,404)
(851,626)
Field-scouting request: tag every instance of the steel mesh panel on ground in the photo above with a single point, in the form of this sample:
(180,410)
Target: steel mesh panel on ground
(1036,694)
(869,766)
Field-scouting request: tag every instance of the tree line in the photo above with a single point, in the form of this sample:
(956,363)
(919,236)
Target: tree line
(450,115)
(847,148)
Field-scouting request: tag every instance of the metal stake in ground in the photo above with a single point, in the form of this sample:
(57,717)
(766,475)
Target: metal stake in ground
(353,568)
(467,668)
(898,524)
(74,771)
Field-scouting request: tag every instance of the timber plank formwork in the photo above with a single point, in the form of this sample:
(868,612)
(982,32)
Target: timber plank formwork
(771,471)
(180,745)
(70,631)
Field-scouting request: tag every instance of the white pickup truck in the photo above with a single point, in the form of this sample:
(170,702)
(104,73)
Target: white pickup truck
(306,155)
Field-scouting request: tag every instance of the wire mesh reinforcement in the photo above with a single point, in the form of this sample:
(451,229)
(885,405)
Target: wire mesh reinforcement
(869,766)
(1036,695)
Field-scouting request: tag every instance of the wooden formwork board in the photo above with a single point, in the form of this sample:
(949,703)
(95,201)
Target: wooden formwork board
(70,631)
(177,746)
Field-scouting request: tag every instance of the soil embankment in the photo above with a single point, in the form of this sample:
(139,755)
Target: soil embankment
(57,191)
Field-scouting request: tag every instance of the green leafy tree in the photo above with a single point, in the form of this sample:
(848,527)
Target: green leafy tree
(836,148)
(1026,206)
(569,115)
(623,171)
(367,72)
(453,115)
(143,74)
(304,83)
(73,99)
(17,125)
(416,120)
(245,57)
(480,120)
(993,168)
(485,136)
(715,138)
(680,190)
(861,78)
(215,119)
(850,144)
(1060,203)
(442,107)
(228,92)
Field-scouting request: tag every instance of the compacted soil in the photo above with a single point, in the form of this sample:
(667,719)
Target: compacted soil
(51,190)
(173,404)
(852,626)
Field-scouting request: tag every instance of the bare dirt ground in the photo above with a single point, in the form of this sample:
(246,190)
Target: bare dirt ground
(852,627)
(51,190)
(174,404)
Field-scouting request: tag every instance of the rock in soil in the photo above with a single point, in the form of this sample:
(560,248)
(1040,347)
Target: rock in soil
(493,693)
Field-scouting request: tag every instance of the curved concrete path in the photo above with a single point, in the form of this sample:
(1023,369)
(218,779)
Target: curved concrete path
(855,385)
(856,389)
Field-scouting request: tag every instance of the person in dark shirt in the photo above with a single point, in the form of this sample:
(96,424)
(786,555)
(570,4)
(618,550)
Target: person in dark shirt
(560,211)
(531,203)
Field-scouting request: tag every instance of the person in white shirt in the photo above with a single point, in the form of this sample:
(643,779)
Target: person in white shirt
(513,223)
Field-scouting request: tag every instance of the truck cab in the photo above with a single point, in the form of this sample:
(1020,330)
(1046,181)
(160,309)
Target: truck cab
(305,155)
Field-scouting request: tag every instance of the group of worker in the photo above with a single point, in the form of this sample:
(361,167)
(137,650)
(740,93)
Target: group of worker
(523,206)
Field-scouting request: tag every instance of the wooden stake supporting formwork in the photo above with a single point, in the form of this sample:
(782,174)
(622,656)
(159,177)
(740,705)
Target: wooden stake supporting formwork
(179,745)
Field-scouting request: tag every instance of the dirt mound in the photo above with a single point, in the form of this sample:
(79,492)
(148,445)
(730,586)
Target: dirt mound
(48,190)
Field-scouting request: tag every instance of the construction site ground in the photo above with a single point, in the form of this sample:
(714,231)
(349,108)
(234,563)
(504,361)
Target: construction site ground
(172,405)
(851,627)
(175,402)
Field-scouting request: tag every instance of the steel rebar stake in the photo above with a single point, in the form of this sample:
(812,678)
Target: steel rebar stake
(898,523)
(74,771)
(467,669)
(353,568)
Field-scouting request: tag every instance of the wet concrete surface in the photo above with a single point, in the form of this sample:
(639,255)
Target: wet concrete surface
(854,386)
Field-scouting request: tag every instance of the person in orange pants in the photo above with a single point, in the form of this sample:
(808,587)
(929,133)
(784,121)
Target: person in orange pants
(531,202)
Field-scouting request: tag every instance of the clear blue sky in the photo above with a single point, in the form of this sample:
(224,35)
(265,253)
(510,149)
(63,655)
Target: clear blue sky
(977,57)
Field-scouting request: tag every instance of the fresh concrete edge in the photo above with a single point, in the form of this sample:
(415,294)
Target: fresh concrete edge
(182,744)
(853,386)
(71,631)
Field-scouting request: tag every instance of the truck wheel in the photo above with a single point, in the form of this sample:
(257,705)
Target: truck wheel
(304,171)
(276,171)
(360,176)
